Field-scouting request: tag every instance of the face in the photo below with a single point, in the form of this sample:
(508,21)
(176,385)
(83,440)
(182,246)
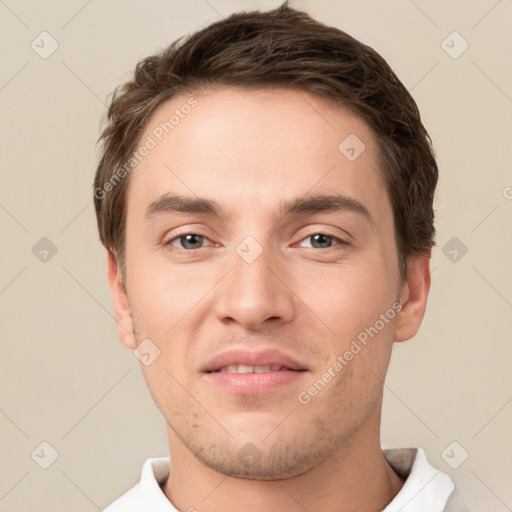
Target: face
(267,316)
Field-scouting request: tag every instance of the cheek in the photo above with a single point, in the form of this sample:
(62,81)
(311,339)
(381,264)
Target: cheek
(164,293)
(168,307)
(347,298)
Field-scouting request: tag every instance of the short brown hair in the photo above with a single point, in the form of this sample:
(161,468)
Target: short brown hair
(282,47)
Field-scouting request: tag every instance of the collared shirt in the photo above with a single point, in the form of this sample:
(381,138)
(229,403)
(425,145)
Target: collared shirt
(426,489)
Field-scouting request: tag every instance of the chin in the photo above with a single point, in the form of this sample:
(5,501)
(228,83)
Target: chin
(266,468)
(258,458)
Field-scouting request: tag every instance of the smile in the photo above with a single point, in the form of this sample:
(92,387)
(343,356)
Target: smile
(245,368)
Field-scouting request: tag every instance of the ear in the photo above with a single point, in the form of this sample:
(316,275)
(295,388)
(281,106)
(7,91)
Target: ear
(121,308)
(413,297)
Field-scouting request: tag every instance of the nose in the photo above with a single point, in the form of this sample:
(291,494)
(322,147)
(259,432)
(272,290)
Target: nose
(255,293)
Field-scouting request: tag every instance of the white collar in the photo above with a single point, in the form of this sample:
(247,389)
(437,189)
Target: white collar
(426,489)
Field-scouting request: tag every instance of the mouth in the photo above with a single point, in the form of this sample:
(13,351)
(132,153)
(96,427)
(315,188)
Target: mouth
(242,360)
(245,368)
(253,372)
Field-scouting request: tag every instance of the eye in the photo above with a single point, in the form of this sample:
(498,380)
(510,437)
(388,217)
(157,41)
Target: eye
(191,241)
(188,241)
(323,241)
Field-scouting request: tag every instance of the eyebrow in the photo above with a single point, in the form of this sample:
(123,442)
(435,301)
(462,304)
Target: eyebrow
(170,203)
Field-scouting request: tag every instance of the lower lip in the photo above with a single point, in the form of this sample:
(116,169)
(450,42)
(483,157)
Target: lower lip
(253,383)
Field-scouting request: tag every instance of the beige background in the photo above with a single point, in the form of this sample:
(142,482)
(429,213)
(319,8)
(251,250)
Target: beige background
(65,378)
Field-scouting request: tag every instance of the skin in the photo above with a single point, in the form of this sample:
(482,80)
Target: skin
(249,150)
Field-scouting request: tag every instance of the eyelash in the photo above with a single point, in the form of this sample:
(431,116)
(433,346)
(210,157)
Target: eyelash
(340,241)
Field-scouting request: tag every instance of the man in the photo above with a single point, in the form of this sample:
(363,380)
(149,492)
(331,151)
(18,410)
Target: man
(265,195)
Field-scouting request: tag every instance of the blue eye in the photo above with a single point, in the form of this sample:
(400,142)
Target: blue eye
(324,241)
(192,241)
(189,241)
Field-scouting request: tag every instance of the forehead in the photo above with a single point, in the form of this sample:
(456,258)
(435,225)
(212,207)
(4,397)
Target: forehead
(249,149)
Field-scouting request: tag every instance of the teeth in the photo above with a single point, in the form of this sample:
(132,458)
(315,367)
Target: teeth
(260,369)
(245,368)
(242,368)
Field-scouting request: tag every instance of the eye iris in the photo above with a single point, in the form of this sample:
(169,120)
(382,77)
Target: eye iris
(195,240)
(321,239)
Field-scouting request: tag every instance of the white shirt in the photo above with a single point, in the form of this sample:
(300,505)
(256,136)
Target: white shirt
(426,489)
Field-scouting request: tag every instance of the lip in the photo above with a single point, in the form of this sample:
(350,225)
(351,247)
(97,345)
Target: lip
(253,383)
(261,357)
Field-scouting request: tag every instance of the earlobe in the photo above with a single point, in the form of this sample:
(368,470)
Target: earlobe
(121,307)
(413,297)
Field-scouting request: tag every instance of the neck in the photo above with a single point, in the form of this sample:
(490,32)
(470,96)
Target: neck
(356,478)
